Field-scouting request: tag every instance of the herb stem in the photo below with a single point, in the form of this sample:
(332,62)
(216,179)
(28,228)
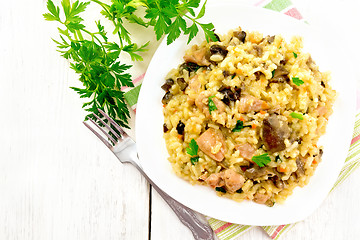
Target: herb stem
(80,35)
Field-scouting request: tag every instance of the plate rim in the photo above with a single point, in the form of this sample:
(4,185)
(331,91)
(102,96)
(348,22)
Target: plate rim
(171,193)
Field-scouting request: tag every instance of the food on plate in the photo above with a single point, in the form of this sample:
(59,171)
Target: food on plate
(243,116)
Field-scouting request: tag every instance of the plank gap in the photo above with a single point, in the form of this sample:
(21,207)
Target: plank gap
(150,203)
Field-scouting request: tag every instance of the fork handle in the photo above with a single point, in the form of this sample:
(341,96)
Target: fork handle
(199,229)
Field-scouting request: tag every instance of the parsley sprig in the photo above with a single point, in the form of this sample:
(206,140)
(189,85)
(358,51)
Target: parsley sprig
(192,150)
(297,115)
(239,126)
(261,160)
(297,81)
(211,104)
(95,58)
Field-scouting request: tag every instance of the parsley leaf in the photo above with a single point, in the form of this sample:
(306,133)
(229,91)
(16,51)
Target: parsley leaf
(193,148)
(167,18)
(54,14)
(297,81)
(191,31)
(297,115)
(261,160)
(194,160)
(295,55)
(211,104)
(239,126)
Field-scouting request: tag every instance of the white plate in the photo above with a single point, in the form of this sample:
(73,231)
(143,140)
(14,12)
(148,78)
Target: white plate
(227,15)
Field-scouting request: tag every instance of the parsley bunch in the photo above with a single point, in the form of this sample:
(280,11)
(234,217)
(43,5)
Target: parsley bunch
(95,59)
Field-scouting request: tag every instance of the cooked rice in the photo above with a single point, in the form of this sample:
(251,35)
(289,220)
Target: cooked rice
(250,66)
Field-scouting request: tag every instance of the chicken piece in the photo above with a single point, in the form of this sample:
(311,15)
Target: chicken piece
(195,84)
(322,110)
(193,89)
(204,176)
(249,103)
(212,143)
(202,103)
(261,198)
(219,104)
(233,180)
(274,133)
(246,151)
(215,180)
(198,56)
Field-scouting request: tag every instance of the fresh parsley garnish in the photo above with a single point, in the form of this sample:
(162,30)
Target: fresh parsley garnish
(239,126)
(194,160)
(96,59)
(211,104)
(272,73)
(192,150)
(220,189)
(297,115)
(295,55)
(261,160)
(297,81)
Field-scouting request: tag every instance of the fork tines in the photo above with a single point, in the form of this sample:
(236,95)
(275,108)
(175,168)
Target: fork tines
(108,126)
(122,132)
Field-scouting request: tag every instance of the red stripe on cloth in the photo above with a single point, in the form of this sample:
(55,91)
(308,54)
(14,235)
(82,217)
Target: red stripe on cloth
(138,79)
(355,139)
(277,231)
(260,2)
(226,225)
(293,12)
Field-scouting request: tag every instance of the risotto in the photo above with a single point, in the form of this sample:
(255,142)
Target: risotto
(243,116)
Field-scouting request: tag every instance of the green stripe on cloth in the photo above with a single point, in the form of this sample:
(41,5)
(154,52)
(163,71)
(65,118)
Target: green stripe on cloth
(229,230)
(132,96)
(234,230)
(215,224)
(278,5)
(345,173)
(357,129)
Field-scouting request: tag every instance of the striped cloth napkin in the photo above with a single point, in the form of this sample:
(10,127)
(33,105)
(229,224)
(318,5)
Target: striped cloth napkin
(230,231)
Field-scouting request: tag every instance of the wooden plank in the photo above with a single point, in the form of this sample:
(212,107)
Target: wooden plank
(164,223)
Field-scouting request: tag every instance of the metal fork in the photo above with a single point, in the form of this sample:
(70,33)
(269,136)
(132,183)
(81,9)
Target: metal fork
(124,149)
